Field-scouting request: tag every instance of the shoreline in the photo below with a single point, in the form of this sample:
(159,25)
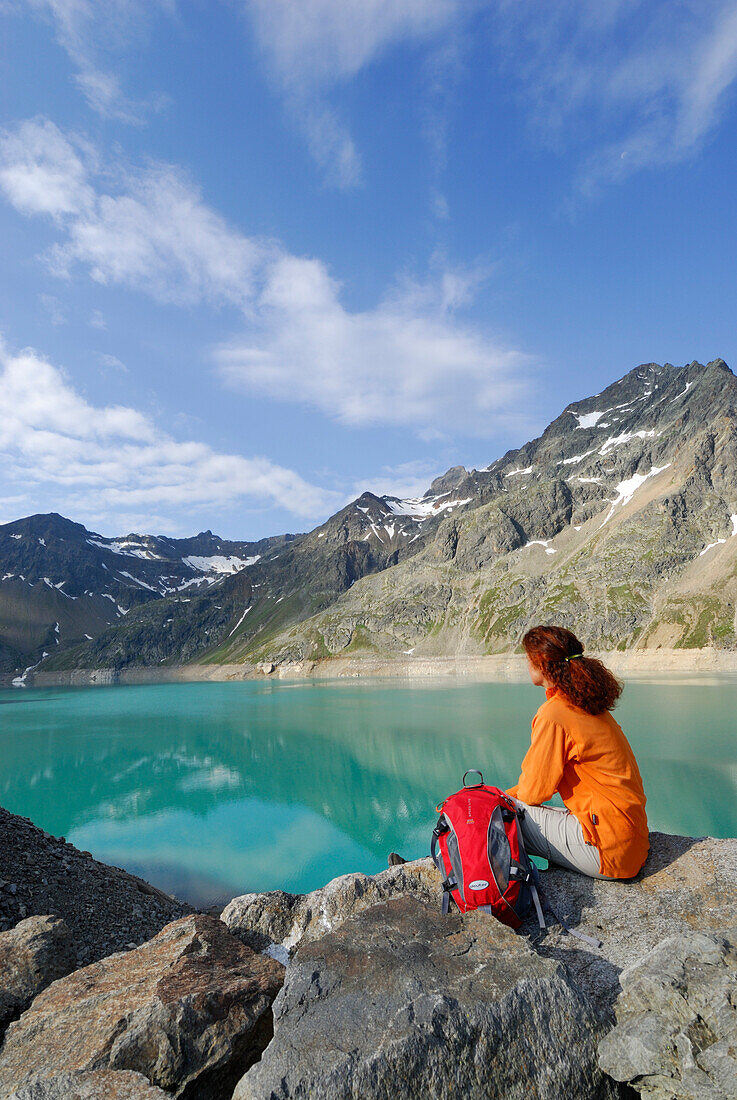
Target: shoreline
(497,668)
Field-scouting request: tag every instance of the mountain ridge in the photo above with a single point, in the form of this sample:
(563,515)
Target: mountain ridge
(621,512)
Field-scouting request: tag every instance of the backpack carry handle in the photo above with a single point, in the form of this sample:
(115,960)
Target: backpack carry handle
(473,771)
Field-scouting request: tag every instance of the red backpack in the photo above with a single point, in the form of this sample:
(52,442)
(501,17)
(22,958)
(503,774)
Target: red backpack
(482,856)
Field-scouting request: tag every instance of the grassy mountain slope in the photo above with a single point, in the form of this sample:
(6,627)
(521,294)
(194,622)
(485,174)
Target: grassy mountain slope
(618,521)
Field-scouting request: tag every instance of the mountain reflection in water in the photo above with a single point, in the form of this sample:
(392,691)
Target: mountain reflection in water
(211,790)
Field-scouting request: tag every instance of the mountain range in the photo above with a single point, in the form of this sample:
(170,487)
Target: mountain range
(618,521)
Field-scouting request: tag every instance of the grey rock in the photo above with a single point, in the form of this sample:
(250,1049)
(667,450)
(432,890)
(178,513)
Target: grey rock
(32,955)
(88,565)
(190,1009)
(401,1001)
(631,577)
(687,884)
(676,1033)
(485,536)
(278,918)
(450,480)
(79,894)
(99,1085)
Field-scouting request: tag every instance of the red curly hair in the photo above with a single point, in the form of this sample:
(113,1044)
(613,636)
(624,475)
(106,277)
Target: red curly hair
(584,681)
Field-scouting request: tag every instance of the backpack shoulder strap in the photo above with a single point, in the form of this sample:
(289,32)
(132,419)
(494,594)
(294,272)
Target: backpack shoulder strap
(447,884)
(534,890)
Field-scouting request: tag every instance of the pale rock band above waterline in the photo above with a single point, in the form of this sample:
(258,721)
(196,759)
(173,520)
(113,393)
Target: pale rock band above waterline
(671,664)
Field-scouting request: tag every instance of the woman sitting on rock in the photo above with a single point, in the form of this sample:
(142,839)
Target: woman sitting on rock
(578,750)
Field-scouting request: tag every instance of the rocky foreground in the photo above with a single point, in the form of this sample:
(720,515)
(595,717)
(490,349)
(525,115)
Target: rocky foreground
(362,989)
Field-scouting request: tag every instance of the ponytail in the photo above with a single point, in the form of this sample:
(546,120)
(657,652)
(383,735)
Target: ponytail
(559,656)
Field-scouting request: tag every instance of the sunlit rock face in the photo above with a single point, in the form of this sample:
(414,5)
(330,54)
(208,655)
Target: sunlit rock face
(676,1033)
(189,1009)
(618,521)
(402,1001)
(34,953)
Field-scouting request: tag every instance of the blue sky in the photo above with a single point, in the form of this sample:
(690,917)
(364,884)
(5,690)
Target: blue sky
(260,255)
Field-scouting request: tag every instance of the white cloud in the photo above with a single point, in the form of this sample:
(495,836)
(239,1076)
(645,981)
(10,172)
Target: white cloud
(151,231)
(314,45)
(109,461)
(408,361)
(331,145)
(644,83)
(319,42)
(90,31)
(43,172)
(11,507)
(158,236)
(629,84)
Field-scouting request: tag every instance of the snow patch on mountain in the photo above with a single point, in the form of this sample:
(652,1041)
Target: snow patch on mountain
(20,681)
(678,398)
(618,440)
(545,543)
(711,546)
(421,508)
(137,580)
(218,563)
(627,489)
(127,547)
(589,420)
(239,621)
(576,458)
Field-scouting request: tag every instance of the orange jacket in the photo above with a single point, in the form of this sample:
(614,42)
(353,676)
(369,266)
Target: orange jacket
(588,759)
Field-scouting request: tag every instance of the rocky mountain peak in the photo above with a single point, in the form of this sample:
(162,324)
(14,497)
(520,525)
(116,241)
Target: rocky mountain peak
(448,481)
(43,525)
(625,495)
(719,364)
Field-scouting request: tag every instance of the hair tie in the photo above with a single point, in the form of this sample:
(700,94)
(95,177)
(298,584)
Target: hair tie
(573,656)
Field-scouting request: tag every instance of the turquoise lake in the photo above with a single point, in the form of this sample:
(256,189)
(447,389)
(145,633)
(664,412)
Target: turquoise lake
(211,790)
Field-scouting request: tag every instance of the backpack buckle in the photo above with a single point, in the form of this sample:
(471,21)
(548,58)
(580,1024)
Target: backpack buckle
(448,885)
(518,874)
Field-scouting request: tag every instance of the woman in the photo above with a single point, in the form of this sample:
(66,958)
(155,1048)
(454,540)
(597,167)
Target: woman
(578,750)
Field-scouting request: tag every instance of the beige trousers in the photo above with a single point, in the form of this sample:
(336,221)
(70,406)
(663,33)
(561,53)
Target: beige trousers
(554,833)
